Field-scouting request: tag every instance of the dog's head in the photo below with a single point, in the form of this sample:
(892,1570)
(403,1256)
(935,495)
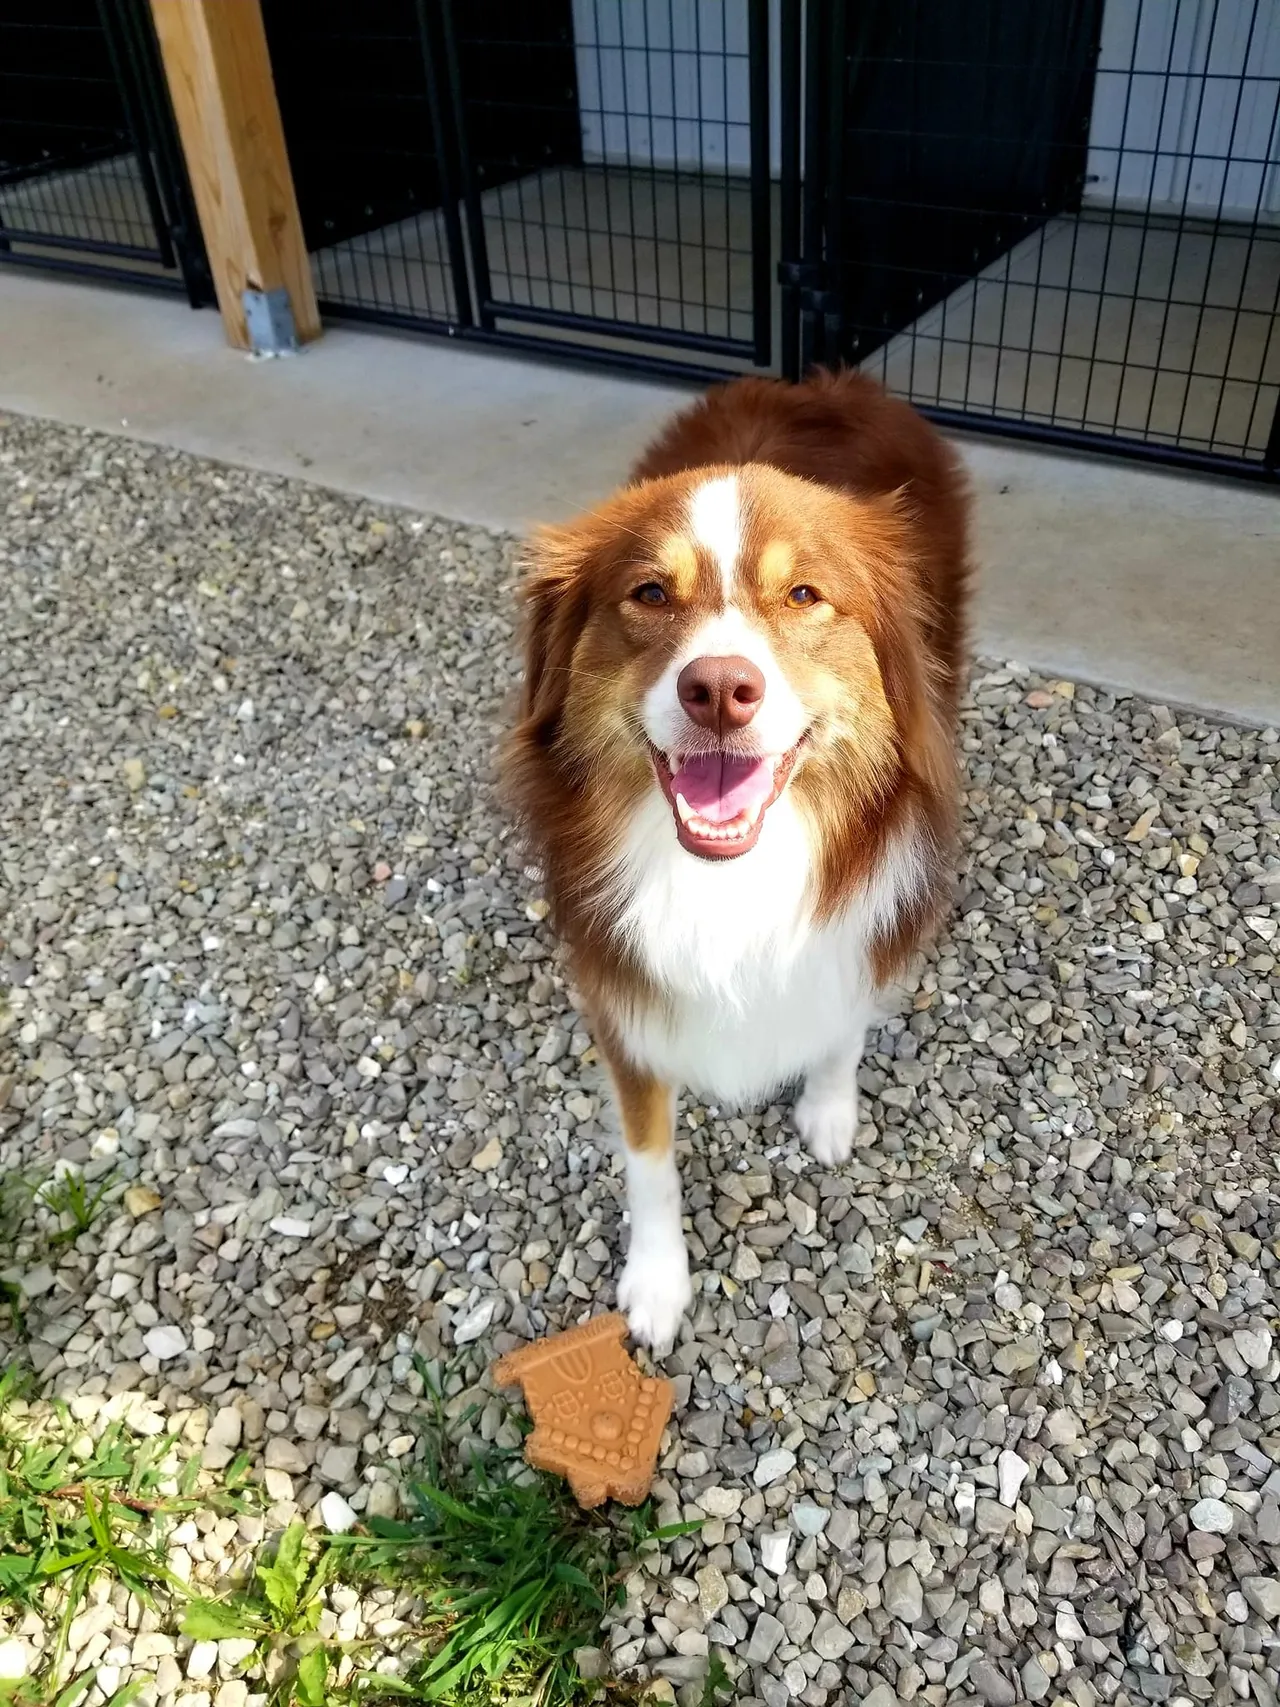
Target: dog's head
(724,636)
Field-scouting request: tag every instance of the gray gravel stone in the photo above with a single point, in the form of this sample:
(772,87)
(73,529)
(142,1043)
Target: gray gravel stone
(271,957)
(902,1595)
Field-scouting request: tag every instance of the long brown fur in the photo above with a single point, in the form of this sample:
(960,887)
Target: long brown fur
(883,483)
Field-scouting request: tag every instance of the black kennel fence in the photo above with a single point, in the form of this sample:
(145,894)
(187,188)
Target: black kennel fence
(1057,221)
(92,179)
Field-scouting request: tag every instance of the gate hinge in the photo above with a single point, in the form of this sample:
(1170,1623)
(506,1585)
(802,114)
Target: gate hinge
(803,275)
(807,278)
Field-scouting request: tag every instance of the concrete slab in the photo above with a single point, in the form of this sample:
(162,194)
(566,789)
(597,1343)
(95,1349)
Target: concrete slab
(1164,585)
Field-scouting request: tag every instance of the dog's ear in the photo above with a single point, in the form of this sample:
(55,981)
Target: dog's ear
(555,611)
(901,625)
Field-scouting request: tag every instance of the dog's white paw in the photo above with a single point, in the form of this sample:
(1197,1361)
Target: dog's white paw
(826,1118)
(654,1292)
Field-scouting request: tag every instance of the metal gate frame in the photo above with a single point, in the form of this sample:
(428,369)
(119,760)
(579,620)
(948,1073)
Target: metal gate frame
(179,247)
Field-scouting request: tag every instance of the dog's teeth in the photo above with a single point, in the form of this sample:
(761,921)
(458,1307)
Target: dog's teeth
(684,809)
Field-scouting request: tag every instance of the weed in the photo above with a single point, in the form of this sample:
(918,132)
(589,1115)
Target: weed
(508,1576)
(73,1202)
(67,1197)
(716,1684)
(285,1606)
(20,1694)
(16,1193)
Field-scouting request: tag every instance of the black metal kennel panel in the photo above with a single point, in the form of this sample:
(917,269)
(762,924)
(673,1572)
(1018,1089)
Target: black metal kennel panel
(92,178)
(367,102)
(585,176)
(655,229)
(1058,222)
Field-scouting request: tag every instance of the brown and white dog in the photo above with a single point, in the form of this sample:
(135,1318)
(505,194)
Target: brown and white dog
(735,761)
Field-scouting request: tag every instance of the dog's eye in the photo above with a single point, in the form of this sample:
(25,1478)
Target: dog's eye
(801,596)
(650,593)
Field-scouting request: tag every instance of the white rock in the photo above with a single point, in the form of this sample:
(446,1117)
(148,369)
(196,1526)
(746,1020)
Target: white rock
(1212,1517)
(1171,1331)
(475,1322)
(233,1651)
(775,1546)
(1084,1152)
(1067,1626)
(773,1466)
(337,1514)
(803,1216)
(720,1502)
(93,1621)
(164,1341)
(1263,1595)
(290,1227)
(810,1519)
(488,1156)
(1012,1472)
(37,1281)
(991,1597)
(13,1659)
(226,1427)
(152,1645)
(965,1500)
(1254,1346)
(201,1660)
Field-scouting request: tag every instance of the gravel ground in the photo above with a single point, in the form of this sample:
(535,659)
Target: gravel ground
(989,1415)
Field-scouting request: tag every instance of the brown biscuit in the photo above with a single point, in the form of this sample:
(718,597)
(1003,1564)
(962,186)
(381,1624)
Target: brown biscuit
(597,1420)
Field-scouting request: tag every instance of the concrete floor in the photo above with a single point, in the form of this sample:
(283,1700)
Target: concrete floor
(1152,582)
(643,248)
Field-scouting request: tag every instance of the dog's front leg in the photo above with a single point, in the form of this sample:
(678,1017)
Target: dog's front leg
(655,1288)
(826,1114)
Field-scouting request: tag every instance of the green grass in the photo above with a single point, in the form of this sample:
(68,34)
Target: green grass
(69,1515)
(498,1576)
(510,1578)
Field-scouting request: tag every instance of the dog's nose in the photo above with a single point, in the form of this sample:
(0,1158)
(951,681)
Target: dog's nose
(720,693)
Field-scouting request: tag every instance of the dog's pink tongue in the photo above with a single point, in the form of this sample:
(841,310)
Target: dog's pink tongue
(718,786)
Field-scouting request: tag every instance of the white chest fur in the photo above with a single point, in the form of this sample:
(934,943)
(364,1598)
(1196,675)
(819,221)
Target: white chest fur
(758,995)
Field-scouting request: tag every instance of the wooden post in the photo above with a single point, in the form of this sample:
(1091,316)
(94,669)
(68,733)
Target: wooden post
(219,75)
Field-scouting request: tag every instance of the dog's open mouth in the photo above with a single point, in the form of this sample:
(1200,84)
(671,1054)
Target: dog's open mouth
(720,799)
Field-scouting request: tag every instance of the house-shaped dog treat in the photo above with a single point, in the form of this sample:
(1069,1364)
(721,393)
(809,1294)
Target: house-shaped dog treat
(597,1420)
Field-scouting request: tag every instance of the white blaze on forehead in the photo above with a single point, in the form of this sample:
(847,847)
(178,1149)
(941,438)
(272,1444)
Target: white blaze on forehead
(716,522)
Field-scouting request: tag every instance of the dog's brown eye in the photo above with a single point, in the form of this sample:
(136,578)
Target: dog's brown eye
(799,597)
(650,594)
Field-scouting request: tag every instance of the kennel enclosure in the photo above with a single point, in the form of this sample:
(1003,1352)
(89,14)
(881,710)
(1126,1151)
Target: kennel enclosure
(92,179)
(1058,222)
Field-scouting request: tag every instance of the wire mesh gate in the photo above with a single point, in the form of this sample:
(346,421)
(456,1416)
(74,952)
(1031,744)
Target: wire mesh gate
(92,179)
(585,176)
(1056,222)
